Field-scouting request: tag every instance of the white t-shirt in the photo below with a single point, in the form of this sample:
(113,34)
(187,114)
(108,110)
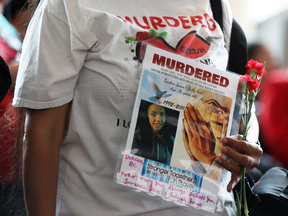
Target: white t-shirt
(84,51)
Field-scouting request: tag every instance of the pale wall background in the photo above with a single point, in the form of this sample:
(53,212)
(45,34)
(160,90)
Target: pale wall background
(249,13)
(265,21)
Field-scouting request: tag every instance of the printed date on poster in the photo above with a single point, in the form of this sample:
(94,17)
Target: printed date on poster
(171,104)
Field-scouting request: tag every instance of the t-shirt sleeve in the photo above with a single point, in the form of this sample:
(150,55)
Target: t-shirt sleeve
(50,63)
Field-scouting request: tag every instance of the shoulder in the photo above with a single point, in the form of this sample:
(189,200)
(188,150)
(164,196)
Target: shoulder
(75,14)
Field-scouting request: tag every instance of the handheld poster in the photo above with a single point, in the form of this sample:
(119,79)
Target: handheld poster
(182,111)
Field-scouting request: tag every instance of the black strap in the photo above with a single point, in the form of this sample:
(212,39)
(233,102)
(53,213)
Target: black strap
(238,55)
(216,7)
(5,78)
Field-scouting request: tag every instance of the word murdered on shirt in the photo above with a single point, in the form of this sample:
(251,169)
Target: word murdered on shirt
(186,22)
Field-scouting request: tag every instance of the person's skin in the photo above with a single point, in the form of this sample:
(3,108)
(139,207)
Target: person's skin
(156,116)
(44,135)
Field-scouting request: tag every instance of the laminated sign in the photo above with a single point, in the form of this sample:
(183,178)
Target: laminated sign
(182,111)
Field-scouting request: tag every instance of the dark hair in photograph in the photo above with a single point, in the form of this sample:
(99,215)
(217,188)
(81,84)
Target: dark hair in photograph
(171,121)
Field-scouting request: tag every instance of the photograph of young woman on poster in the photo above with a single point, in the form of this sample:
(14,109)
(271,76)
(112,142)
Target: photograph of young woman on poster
(155,132)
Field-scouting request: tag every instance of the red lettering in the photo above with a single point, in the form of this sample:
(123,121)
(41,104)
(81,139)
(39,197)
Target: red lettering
(210,22)
(128,20)
(206,16)
(170,64)
(160,22)
(146,26)
(207,76)
(158,61)
(215,79)
(184,21)
(121,18)
(224,81)
(196,19)
(156,21)
(198,73)
(212,25)
(180,67)
(189,70)
(176,22)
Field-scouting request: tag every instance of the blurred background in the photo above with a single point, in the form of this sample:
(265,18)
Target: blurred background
(266,22)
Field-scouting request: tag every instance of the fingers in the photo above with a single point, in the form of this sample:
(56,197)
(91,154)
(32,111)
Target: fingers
(211,132)
(192,113)
(190,128)
(204,132)
(233,182)
(230,166)
(185,140)
(198,136)
(194,139)
(243,152)
(207,138)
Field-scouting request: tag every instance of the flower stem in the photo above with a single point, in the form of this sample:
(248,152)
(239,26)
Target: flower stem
(238,204)
(243,169)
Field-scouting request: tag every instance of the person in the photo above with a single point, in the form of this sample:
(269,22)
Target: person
(78,75)
(11,189)
(270,108)
(273,117)
(151,139)
(261,53)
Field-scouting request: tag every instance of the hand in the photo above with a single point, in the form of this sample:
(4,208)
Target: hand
(198,137)
(240,152)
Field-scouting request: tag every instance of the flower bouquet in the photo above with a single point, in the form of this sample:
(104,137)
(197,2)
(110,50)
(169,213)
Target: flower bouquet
(249,86)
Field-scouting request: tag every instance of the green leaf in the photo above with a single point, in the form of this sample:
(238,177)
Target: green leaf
(153,32)
(163,34)
(245,89)
(131,39)
(248,127)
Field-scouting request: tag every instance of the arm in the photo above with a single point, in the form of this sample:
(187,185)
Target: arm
(44,134)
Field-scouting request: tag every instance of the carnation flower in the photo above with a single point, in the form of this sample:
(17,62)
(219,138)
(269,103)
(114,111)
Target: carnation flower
(254,69)
(252,83)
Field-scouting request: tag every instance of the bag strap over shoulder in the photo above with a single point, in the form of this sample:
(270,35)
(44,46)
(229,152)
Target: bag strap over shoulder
(5,78)
(216,7)
(238,55)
